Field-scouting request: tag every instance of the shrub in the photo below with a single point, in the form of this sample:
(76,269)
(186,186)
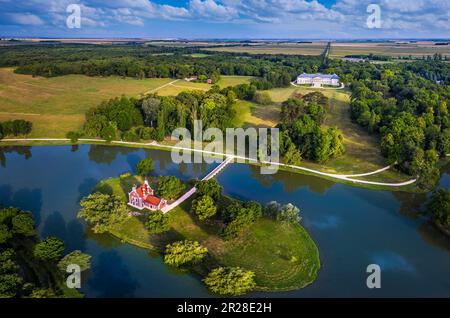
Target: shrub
(204,207)
(170,187)
(232,281)
(184,252)
(157,223)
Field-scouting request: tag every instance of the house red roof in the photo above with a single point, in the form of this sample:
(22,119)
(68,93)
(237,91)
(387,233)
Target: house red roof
(153,200)
(146,193)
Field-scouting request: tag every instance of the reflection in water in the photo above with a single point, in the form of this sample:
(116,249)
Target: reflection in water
(25,199)
(86,187)
(24,151)
(326,222)
(390,261)
(72,233)
(432,235)
(111,277)
(290,184)
(104,240)
(107,154)
(412,204)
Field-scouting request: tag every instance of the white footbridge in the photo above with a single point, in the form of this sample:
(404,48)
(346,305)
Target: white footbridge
(191,192)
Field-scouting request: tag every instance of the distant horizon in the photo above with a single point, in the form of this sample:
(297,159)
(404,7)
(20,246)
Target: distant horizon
(223,39)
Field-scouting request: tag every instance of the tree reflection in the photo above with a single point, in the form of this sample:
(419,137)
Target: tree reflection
(20,150)
(292,181)
(107,154)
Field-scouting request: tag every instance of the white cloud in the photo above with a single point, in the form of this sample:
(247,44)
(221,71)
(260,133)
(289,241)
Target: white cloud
(344,17)
(26,19)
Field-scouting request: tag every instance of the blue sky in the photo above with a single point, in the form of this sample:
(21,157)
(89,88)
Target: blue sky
(308,19)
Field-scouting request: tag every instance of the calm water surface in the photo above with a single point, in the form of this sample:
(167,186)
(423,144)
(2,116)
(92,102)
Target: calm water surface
(352,227)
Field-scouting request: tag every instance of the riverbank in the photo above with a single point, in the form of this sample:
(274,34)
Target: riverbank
(283,256)
(407,186)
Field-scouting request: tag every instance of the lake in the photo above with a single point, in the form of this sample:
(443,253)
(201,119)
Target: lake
(353,227)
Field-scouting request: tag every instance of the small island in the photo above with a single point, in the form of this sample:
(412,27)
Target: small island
(235,246)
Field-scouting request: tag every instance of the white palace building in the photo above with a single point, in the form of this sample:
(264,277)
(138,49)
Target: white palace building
(318,80)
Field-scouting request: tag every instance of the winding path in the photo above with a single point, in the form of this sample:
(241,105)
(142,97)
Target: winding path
(343,177)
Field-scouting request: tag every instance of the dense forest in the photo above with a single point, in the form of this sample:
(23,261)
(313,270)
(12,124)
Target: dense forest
(407,109)
(142,61)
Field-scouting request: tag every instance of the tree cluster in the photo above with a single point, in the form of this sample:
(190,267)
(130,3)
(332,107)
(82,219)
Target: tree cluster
(301,133)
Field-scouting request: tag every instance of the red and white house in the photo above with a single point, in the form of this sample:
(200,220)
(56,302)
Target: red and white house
(143,198)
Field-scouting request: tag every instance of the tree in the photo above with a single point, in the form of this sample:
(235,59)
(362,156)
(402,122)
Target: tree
(170,187)
(145,167)
(204,207)
(23,224)
(211,188)
(289,214)
(49,249)
(10,281)
(284,213)
(184,252)
(262,98)
(240,216)
(5,233)
(76,257)
(150,108)
(232,281)
(157,223)
(73,136)
(102,211)
(439,206)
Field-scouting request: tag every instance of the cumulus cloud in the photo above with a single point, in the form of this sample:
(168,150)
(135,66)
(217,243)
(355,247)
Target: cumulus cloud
(345,16)
(26,19)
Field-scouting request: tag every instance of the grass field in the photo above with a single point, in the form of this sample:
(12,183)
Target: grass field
(57,105)
(283,257)
(182,85)
(255,115)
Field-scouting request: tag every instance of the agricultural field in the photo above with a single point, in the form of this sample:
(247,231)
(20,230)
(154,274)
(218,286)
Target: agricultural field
(418,49)
(316,48)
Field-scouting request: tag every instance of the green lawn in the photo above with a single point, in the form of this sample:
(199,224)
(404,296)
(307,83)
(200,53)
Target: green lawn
(255,115)
(57,105)
(226,81)
(283,257)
